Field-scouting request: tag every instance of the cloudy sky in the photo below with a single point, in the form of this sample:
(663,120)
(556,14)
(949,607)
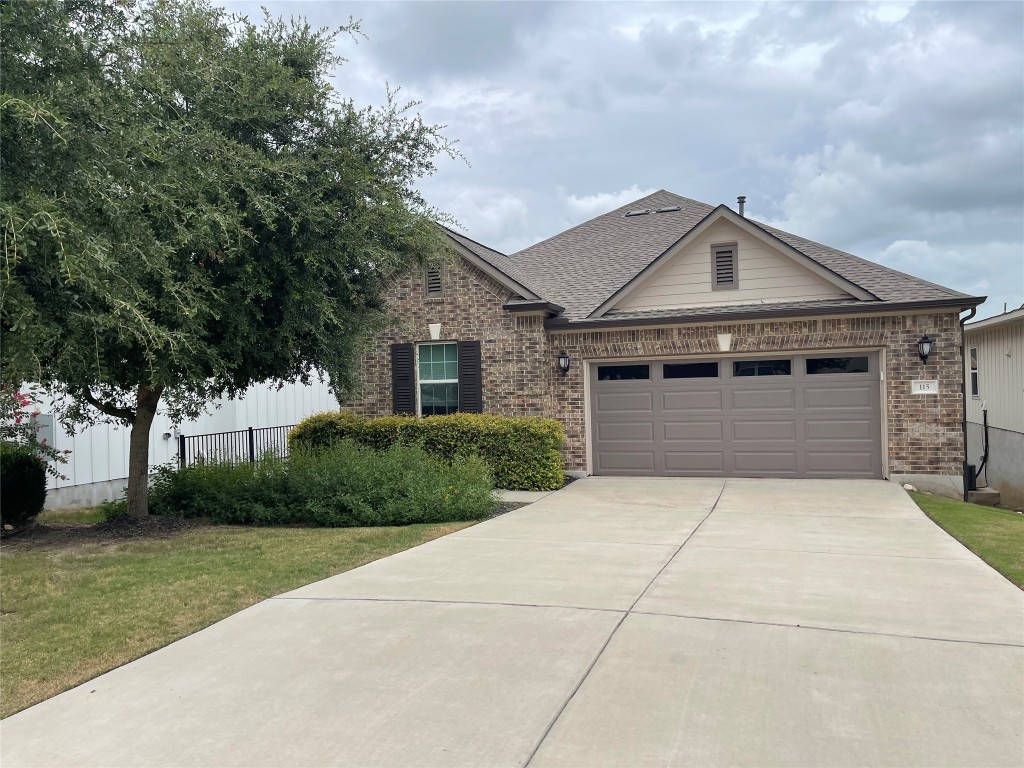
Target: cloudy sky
(890,130)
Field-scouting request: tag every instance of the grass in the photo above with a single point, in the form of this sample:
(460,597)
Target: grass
(994,535)
(73,613)
(91,515)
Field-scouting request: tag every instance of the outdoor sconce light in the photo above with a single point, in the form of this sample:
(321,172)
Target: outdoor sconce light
(563,363)
(924,348)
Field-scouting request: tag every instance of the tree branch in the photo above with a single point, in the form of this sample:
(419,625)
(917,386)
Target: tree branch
(125,414)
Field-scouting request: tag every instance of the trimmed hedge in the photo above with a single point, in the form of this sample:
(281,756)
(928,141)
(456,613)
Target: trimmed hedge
(344,485)
(22,485)
(523,453)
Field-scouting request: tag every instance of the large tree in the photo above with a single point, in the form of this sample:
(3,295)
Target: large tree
(189,208)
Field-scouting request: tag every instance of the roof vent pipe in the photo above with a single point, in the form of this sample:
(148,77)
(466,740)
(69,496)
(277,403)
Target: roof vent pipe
(742,200)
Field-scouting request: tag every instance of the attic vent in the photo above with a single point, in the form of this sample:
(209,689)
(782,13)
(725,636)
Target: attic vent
(724,268)
(432,285)
(668,209)
(641,212)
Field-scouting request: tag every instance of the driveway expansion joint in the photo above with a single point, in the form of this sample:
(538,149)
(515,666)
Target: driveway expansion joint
(608,640)
(820,628)
(350,599)
(825,552)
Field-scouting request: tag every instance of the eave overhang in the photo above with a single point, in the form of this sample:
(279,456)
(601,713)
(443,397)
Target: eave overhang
(533,307)
(732,315)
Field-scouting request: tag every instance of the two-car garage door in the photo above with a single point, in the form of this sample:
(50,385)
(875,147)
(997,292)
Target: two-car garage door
(813,415)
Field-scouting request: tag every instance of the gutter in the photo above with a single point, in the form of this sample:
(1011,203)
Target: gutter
(613,321)
(963,391)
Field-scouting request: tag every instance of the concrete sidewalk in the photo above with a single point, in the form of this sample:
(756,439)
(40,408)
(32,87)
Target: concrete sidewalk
(616,622)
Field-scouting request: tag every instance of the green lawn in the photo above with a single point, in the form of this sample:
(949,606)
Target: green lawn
(994,535)
(70,613)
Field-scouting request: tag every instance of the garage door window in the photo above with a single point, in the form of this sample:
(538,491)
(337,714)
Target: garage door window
(762,368)
(623,372)
(690,371)
(820,365)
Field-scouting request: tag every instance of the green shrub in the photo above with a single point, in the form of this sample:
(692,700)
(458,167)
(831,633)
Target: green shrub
(343,485)
(22,485)
(523,453)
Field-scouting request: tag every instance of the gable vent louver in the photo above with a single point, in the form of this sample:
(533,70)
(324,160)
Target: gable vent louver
(433,281)
(725,268)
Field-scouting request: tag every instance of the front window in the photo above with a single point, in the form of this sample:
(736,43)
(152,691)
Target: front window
(975,391)
(438,382)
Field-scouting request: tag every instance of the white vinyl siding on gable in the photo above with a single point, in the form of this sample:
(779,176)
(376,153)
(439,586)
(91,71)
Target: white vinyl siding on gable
(764,274)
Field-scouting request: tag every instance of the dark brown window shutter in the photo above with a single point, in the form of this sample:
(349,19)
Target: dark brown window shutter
(403,379)
(471,385)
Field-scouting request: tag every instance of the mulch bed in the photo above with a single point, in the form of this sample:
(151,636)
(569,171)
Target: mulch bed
(51,536)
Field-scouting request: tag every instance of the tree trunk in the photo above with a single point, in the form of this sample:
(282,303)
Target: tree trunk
(138,451)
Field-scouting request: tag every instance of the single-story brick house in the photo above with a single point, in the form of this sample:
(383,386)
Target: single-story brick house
(672,337)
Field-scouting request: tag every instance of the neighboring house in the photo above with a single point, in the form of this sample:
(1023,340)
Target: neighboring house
(995,376)
(97,468)
(697,342)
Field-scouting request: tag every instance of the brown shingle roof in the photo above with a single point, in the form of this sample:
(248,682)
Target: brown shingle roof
(496,259)
(583,266)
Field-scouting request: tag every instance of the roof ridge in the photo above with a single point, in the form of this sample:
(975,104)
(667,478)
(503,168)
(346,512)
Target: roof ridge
(627,206)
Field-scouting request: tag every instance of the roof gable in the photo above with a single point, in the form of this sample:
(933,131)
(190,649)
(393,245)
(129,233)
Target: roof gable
(583,267)
(496,265)
(769,271)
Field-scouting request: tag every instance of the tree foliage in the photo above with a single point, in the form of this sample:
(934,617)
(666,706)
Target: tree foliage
(188,207)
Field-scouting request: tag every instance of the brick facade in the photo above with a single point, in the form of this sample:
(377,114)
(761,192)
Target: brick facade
(924,432)
(517,368)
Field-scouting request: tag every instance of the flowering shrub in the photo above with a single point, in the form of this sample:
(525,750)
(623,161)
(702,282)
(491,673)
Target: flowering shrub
(18,427)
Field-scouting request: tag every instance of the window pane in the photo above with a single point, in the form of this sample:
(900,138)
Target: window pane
(623,372)
(974,358)
(762,368)
(690,371)
(816,365)
(439,399)
(974,383)
(439,362)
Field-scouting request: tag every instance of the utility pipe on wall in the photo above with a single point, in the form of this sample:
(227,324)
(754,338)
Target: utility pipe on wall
(963,392)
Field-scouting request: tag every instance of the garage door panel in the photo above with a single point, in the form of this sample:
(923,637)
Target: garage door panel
(628,460)
(766,462)
(837,464)
(697,400)
(631,402)
(838,397)
(764,430)
(695,461)
(693,430)
(763,399)
(758,425)
(840,429)
(627,430)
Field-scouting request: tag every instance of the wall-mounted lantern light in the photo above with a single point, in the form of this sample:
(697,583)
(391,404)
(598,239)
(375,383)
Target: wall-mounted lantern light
(924,348)
(563,363)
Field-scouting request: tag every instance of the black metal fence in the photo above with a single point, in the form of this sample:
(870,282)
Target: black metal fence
(234,447)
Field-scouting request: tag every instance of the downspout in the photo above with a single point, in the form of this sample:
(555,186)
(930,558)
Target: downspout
(963,392)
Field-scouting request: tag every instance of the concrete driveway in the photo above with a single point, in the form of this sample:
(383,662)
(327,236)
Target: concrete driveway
(617,622)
